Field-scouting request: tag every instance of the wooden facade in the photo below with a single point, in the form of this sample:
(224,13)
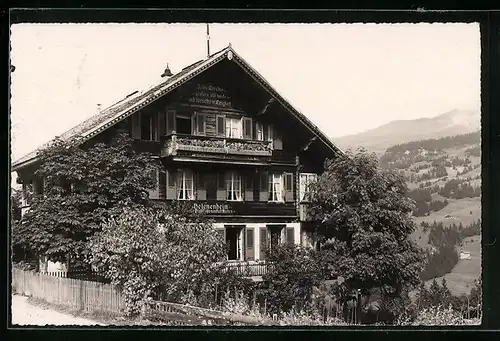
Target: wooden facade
(242,159)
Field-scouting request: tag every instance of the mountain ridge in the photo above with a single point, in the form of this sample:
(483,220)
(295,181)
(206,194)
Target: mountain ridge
(453,122)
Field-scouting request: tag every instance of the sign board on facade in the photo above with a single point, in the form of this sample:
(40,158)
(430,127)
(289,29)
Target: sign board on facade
(213,208)
(222,208)
(206,94)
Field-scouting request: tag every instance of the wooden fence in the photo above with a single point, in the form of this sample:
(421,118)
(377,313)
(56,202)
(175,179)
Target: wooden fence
(74,293)
(167,311)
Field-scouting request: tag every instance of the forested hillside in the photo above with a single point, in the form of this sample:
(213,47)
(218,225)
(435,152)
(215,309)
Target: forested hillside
(444,179)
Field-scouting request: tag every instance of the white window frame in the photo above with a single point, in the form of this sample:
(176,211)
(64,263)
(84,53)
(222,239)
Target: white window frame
(234,124)
(305,180)
(154,129)
(203,116)
(184,191)
(276,192)
(233,186)
(259,127)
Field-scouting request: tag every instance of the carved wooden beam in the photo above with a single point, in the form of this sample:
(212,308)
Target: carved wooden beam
(306,147)
(268,104)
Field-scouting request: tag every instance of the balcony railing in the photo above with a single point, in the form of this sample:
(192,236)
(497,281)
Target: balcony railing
(247,269)
(174,143)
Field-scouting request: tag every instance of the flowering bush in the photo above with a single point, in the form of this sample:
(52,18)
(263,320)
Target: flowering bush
(438,316)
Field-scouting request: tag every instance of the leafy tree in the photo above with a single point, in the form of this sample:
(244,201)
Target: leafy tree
(289,282)
(15,201)
(83,186)
(445,292)
(423,297)
(435,293)
(159,253)
(366,222)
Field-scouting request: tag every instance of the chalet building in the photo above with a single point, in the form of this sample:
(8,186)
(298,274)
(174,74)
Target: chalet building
(226,140)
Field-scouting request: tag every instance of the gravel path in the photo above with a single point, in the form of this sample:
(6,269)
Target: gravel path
(24,313)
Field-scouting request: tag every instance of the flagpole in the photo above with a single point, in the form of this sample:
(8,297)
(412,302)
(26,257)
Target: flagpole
(208,41)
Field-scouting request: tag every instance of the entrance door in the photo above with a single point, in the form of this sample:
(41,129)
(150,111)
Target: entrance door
(275,235)
(233,242)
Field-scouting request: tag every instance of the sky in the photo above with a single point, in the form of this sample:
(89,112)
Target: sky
(346,78)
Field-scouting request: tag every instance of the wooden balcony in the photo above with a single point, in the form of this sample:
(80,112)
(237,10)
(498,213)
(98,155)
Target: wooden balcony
(175,144)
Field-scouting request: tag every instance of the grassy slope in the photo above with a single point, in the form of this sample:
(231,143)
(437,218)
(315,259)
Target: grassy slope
(459,209)
(461,278)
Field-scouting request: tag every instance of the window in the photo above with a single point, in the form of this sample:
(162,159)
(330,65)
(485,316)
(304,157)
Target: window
(275,187)
(221,125)
(27,193)
(259,131)
(200,123)
(149,126)
(185,185)
(305,181)
(270,131)
(233,186)
(234,241)
(247,127)
(308,238)
(171,121)
(233,127)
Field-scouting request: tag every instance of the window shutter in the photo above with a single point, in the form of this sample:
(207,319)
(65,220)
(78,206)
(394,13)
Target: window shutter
(162,123)
(170,121)
(277,141)
(154,126)
(266,128)
(247,128)
(263,243)
(264,184)
(249,244)
(203,122)
(221,126)
(221,186)
(249,187)
(136,125)
(288,187)
(290,237)
(201,189)
(163,185)
(171,184)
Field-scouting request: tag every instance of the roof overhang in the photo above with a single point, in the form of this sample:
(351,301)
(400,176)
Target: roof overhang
(229,53)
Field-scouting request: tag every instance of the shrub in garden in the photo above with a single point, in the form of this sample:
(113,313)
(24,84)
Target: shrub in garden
(156,253)
(289,282)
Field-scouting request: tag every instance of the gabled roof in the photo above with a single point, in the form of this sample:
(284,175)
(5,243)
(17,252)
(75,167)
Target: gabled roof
(138,100)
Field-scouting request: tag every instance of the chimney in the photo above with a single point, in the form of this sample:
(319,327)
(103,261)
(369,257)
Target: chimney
(167,72)
(98,106)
